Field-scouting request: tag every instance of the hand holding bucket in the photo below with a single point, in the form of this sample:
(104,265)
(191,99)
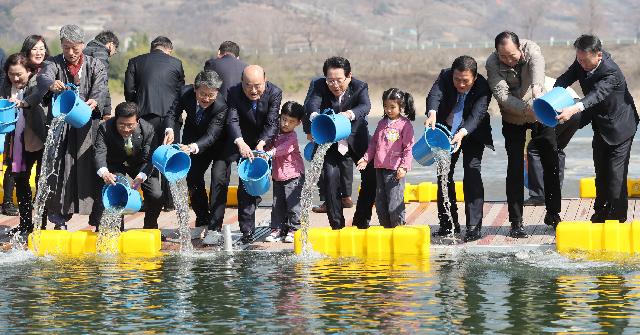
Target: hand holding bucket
(256,173)
(77,112)
(330,127)
(121,195)
(171,161)
(8,116)
(430,142)
(548,106)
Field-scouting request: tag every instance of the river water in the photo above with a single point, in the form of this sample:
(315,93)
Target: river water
(278,293)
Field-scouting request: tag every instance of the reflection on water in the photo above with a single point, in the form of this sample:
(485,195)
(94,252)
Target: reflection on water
(532,292)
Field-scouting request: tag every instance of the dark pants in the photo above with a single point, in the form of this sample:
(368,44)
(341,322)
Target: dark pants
(8,184)
(285,211)
(545,137)
(220,175)
(611,163)
(150,190)
(472,185)
(366,197)
(197,190)
(23,189)
(346,180)
(159,127)
(247,204)
(564,133)
(389,198)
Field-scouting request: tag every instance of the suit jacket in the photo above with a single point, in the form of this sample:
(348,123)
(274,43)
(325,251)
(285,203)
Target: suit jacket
(475,119)
(241,121)
(211,127)
(35,116)
(607,101)
(230,70)
(100,52)
(153,81)
(355,98)
(109,147)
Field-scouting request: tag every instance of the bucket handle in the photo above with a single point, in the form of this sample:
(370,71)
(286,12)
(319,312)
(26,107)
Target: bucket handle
(256,153)
(10,122)
(9,107)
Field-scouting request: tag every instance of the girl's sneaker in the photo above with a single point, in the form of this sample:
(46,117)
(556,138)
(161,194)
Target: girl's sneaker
(274,236)
(288,238)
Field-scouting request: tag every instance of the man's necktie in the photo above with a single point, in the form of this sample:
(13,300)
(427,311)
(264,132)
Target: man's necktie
(199,114)
(457,113)
(128,146)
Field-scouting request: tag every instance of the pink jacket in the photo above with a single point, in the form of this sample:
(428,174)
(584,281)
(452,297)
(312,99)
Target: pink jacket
(391,144)
(286,158)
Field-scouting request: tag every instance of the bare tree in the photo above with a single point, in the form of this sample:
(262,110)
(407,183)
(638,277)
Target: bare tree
(591,17)
(419,19)
(533,11)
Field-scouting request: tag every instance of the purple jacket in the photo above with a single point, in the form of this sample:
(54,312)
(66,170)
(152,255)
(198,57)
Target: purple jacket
(390,145)
(286,157)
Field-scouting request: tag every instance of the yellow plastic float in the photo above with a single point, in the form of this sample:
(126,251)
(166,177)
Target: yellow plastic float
(610,236)
(588,187)
(145,242)
(376,241)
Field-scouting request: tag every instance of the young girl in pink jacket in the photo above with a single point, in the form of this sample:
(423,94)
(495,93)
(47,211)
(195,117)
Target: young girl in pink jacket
(390,149)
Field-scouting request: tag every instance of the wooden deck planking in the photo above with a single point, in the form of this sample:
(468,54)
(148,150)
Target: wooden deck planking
(495,222)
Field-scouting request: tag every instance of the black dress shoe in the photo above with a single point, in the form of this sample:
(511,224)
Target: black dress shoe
(552,220)
(517,231)
(472,234)
(442,232)
(9,209)
(534,201)
(168,208)
(247,238)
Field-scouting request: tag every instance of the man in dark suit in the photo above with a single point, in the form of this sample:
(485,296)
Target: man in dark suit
(228,65)
(153,81)
(459,99)
(202,139)
(102,47)
(350,97)
(123,146)
(346,166)
(608,105)
(252,121)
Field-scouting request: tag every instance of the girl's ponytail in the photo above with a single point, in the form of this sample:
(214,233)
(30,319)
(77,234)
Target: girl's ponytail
(409,106)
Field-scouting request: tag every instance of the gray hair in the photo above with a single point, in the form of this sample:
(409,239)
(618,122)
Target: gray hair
(72,33)
(207,78)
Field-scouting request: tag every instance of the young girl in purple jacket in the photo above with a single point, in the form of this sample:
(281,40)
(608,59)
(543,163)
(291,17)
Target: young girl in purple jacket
(390,149)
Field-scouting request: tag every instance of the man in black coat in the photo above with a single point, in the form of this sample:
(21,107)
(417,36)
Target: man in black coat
(350,97)
(103,46)
(608,105)
(228,65)
(153,81)
(202,138)
(252,121)
(124,146)
(459,99)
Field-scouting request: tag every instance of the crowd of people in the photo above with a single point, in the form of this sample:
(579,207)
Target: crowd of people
(232,111)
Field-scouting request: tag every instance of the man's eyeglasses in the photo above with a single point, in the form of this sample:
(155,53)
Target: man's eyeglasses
(127,126)
(336,81)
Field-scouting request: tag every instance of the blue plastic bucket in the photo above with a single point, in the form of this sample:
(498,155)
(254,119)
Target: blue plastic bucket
(308,151)
(255,174)
(8,116)
(547,107)
(431,141)
(121,195)
(172,162)
(329,127)
(77,112)
(2,143)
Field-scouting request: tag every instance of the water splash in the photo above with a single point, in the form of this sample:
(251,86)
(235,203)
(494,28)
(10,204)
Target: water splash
(443,167)
(308,190)
(49,156)
(179,191)
(109,234)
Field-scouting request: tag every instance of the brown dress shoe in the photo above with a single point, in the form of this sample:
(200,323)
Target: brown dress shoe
(347,202)
(320,208)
